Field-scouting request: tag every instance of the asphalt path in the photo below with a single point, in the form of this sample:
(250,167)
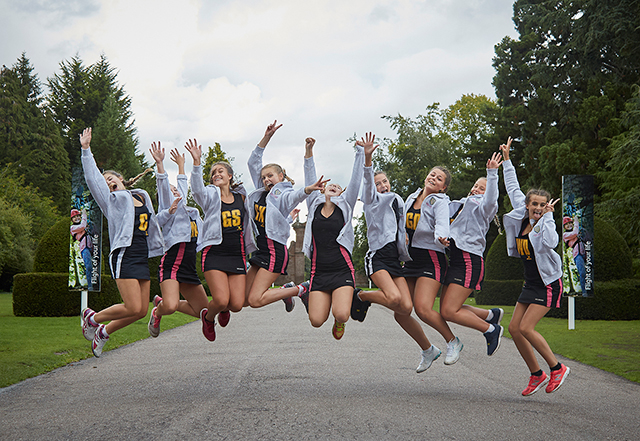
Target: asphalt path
(271,376)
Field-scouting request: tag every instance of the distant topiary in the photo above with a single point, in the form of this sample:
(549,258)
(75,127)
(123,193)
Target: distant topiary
(52,253)
(498,265)
(612,258)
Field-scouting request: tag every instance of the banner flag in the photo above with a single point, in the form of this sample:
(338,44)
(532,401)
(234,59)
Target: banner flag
(85,242)
(577,235)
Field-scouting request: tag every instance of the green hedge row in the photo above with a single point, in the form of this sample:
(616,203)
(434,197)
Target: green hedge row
(48,295)
(616,300)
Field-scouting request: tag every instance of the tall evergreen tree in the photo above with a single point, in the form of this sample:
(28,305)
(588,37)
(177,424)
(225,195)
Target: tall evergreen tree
(79,94)
(564,82)
(30,141)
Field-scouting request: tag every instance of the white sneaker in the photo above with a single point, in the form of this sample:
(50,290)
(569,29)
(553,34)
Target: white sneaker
(428,356)
(88,330)
(453,351)
(98,341)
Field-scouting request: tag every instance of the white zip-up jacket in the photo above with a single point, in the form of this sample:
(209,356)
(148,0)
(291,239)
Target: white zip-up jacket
(280,201)
(176,228)
(469,228)
(382,225)
(117,207)
(346,201)
(543,237)
(433,222)
(209,199)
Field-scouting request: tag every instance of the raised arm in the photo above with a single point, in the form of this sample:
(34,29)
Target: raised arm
(310,175)
(369,190)
(197,184)
(179,159)
(162,180)
(254,162)
(353,188)
(516,195)
(549,234)
(95,181)
(490,199)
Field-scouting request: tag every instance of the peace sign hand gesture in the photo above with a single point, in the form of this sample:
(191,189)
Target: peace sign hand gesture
(505,149)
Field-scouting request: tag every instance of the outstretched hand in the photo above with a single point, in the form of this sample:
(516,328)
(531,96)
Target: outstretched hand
(157,152)
(504,148)
(319,185)
(271,129)
(85,138)
(368,143)
(195,150)
(444,241)
(495,161)
(294,214)
(550,206)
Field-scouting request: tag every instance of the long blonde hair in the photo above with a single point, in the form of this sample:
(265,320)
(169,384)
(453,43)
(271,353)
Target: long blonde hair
(129,182)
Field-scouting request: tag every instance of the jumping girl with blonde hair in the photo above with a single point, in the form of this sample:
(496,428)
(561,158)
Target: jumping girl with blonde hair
(134,235)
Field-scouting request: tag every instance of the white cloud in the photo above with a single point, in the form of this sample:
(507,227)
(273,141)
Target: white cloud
(221,71)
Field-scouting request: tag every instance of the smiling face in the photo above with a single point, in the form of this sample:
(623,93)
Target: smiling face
(220,175)
(535,206)
(436,181)
(479,187)
(114,182)
(382,183)
(270,177)
(332,190)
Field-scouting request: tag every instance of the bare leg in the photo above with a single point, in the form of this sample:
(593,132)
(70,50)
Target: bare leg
(196,299)
(219,285)
(482,313)
(530,319)
(258,292)
(389,294)
(319,307)
(341,303)
(451,301)
(412,327)
(135,293)
(522,344)
(425,291)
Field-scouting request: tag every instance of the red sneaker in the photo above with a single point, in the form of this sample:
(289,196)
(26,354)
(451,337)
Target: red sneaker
(557,378)
(223,318)
(535,384)
(208,328)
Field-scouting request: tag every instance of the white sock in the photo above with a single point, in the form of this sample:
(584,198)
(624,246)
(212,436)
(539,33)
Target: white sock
(428,349)
(103,332)
(491,328)
(358,296)
(92,321)
(490,316)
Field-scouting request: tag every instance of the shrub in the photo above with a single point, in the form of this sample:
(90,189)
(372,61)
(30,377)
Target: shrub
(52,253)
(499,292)
(48,295)
(612,258)
(499,266)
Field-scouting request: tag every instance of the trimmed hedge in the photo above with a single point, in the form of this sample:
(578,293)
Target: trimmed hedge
(617,300)
(615,297)
(48,295)
(499,292)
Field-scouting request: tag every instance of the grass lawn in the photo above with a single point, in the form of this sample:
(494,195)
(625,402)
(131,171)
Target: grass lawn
(31,346)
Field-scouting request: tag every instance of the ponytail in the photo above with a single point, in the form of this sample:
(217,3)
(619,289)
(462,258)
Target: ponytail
(129,182)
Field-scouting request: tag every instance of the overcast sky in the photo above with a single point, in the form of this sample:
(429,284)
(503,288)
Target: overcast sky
(221,70)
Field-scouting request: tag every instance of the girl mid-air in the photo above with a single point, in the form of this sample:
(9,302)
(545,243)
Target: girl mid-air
(181,226)
(270,206)
(426,213)
(532,236)
(328,243)
(134,236)
(470,220)
(227,237)
(384,213)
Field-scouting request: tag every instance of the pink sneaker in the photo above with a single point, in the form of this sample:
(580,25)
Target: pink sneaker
(223,318)
(156,299)
(208,328)
(535,384)
(88,330)
(154,323)
(557,378)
